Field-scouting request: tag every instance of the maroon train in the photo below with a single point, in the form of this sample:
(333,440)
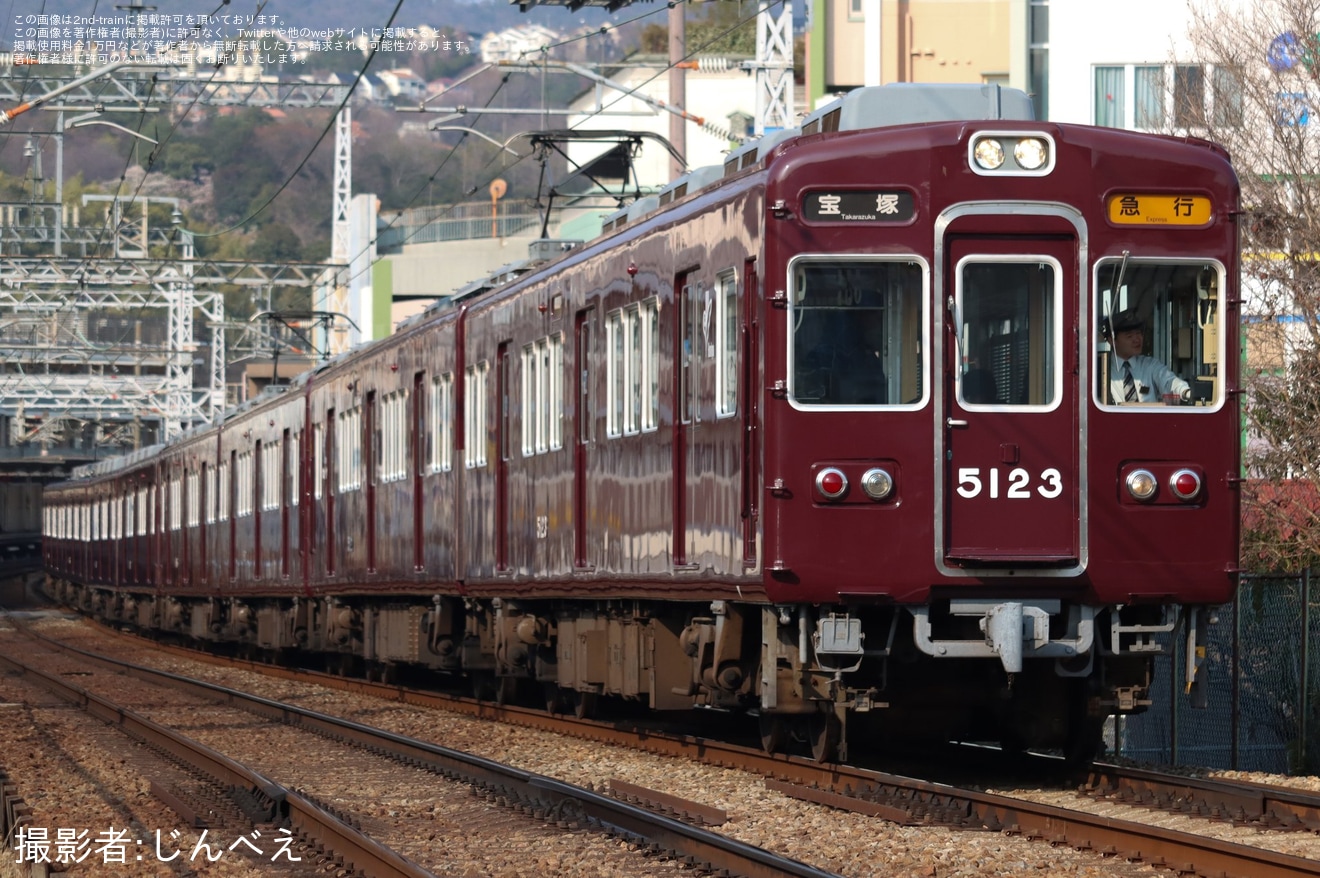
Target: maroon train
(832,435)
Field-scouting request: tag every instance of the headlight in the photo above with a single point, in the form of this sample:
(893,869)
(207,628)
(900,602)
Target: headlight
(877,483)
(1031,153)
(989,153)
(1141,484)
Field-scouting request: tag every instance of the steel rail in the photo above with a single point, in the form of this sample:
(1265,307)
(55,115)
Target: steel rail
(1236,801)
(306,818)
(893,797)
(550,798)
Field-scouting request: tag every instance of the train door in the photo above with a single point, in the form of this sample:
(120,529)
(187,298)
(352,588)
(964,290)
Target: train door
(204,491)
(287,482)
(583,430)
(503,425)
(370,462)
(331,468)
(748,406)
(687,379)
(1011,463)
(421,428)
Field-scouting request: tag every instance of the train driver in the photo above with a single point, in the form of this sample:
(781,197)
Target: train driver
(1134,376)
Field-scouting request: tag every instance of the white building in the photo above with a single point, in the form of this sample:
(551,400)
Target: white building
(1132,67)
(404,84)
(516,43)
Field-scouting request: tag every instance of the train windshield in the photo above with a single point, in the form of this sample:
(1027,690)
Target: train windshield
(856,332)
(1158,342)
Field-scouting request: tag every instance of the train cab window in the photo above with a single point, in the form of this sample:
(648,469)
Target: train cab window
(1009,324)
(856,332)
(1157,343)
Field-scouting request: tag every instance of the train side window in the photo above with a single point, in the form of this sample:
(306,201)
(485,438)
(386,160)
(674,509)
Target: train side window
(1158,320)
(633,369)
(651,413)
(726,353)
(552,368)
(442,423)
(614,369)
(855,335)
(194,499)
(245,475)
(689,297)
(349,447)
(294,466)
(542,395)
(270,478)
(474,411)
(318,460)
(210,500)
(392,438)
(1009,331)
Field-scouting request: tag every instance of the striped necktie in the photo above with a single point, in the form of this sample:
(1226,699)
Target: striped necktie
(1129,386)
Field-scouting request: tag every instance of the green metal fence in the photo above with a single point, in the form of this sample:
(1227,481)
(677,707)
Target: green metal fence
(1264,712)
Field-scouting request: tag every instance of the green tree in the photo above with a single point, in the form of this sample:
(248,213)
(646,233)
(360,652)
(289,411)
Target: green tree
(276,242)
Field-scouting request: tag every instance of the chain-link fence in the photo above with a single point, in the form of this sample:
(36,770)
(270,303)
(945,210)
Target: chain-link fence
(1264,687)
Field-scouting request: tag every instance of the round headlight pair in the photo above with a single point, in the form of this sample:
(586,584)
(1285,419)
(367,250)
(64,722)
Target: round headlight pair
(1030,153)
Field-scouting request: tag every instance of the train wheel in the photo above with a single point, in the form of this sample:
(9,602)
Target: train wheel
(484,685)
(584,704)
(506,691)
(824,731)
(554,698)
(774,732)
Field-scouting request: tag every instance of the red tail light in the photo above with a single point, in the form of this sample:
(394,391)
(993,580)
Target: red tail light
(831,483)
(1185,485)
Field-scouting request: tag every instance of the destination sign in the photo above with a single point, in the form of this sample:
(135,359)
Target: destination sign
(1135,209)
(884,206)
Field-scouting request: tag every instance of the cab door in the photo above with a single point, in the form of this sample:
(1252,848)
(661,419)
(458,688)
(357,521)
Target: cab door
(1012,478)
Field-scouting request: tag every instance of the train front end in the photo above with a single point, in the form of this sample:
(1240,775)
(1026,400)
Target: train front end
(1001,420)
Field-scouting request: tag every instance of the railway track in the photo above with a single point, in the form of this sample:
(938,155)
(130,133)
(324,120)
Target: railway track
(911,802)
(561,806)
(916,803)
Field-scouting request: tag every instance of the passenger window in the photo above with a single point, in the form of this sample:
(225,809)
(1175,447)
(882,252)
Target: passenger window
(1157,338)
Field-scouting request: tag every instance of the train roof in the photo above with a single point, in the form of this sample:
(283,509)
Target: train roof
(115,464)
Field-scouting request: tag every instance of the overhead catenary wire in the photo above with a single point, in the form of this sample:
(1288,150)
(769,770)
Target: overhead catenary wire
(686,59)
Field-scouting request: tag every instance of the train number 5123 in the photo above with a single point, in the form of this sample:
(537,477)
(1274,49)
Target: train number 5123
(1017,486)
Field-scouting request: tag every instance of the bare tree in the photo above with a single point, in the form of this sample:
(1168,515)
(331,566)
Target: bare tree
(1258,63)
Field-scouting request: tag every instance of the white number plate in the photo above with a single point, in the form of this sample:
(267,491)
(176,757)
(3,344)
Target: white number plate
(1019,484)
